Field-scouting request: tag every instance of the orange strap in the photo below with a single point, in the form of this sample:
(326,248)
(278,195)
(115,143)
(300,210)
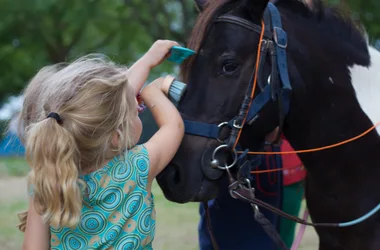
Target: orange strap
(315,149)
(255,79)
(307,150)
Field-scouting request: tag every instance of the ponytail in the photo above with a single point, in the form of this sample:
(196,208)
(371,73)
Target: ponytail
(53,155)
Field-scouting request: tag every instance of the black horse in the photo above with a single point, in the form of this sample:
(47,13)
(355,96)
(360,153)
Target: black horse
(335,95)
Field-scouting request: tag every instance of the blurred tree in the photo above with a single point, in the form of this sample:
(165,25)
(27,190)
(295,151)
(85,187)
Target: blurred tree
(40,32)
(368,13)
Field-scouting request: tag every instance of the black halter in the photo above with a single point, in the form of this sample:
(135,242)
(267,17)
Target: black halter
(276,87)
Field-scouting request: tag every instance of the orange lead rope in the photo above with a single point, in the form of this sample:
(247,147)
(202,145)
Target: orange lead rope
(316,149)
(306,150)
(254,81)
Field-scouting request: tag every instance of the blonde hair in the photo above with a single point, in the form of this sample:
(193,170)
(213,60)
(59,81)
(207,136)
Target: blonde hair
(31,94)
(28,114)
(93,98)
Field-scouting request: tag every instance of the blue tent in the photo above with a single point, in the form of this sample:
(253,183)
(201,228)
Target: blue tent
(11,146)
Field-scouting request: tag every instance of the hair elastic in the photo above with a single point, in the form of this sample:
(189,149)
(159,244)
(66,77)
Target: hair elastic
(55,116)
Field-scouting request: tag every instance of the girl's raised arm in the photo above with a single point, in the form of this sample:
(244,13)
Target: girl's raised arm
(165,142)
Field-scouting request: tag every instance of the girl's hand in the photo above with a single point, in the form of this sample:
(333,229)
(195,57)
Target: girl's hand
(164,83)
(138,73)
(158,52)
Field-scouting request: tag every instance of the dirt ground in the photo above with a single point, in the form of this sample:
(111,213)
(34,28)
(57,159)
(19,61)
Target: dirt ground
(13,189)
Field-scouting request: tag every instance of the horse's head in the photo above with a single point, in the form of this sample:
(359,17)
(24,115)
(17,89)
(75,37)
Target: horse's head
(232,51)
(217,78)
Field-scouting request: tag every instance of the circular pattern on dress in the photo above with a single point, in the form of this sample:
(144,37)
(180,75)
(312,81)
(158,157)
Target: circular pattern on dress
(56,229)
(145,221)
(110,198)
(92,222)
(112,234)
(129,242)
(141,164)
(73,242)
(121,172)
(141,161)
(92,188)
(133,204)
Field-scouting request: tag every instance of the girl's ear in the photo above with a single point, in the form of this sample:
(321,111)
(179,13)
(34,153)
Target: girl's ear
(115,139)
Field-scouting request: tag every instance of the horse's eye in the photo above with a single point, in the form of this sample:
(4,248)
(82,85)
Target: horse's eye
(229,67)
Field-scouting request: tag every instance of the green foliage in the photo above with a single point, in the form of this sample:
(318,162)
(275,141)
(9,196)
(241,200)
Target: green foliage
(366,12)
(41,32)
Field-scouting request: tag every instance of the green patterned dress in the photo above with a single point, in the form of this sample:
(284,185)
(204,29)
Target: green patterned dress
(117,212)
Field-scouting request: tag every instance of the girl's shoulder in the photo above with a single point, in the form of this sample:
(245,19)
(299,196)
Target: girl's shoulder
(138,150)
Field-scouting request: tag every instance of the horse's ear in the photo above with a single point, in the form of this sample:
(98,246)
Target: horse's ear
(256,7)
(200,4)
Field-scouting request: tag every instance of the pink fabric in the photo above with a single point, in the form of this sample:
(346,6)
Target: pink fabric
(301,232)
(294,170)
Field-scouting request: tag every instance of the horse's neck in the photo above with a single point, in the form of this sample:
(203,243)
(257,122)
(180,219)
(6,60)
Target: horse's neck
(338,115)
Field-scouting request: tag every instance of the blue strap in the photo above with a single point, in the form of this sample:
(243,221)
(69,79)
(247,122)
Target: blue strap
(259,102)
(361,219)
(286,100)
(281,40)
(202,129)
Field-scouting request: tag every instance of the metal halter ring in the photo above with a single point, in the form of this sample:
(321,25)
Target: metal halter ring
(215,162)
(221,126)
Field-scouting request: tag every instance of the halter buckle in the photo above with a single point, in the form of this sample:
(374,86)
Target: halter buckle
(280,37)
(237,126)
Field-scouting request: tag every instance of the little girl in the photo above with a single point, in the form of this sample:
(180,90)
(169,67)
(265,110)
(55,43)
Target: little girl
(90,184)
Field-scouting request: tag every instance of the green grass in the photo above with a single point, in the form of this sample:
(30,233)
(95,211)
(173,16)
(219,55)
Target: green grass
(14,166)
(10,236)
(176,224)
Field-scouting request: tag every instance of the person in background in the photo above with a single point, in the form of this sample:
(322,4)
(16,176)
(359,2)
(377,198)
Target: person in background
(294,174)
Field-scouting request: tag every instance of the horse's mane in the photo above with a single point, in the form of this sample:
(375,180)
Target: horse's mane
(333,23)
(204,19)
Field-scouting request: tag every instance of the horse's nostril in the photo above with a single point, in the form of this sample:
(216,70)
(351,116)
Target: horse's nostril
(175,173)
(176,177)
